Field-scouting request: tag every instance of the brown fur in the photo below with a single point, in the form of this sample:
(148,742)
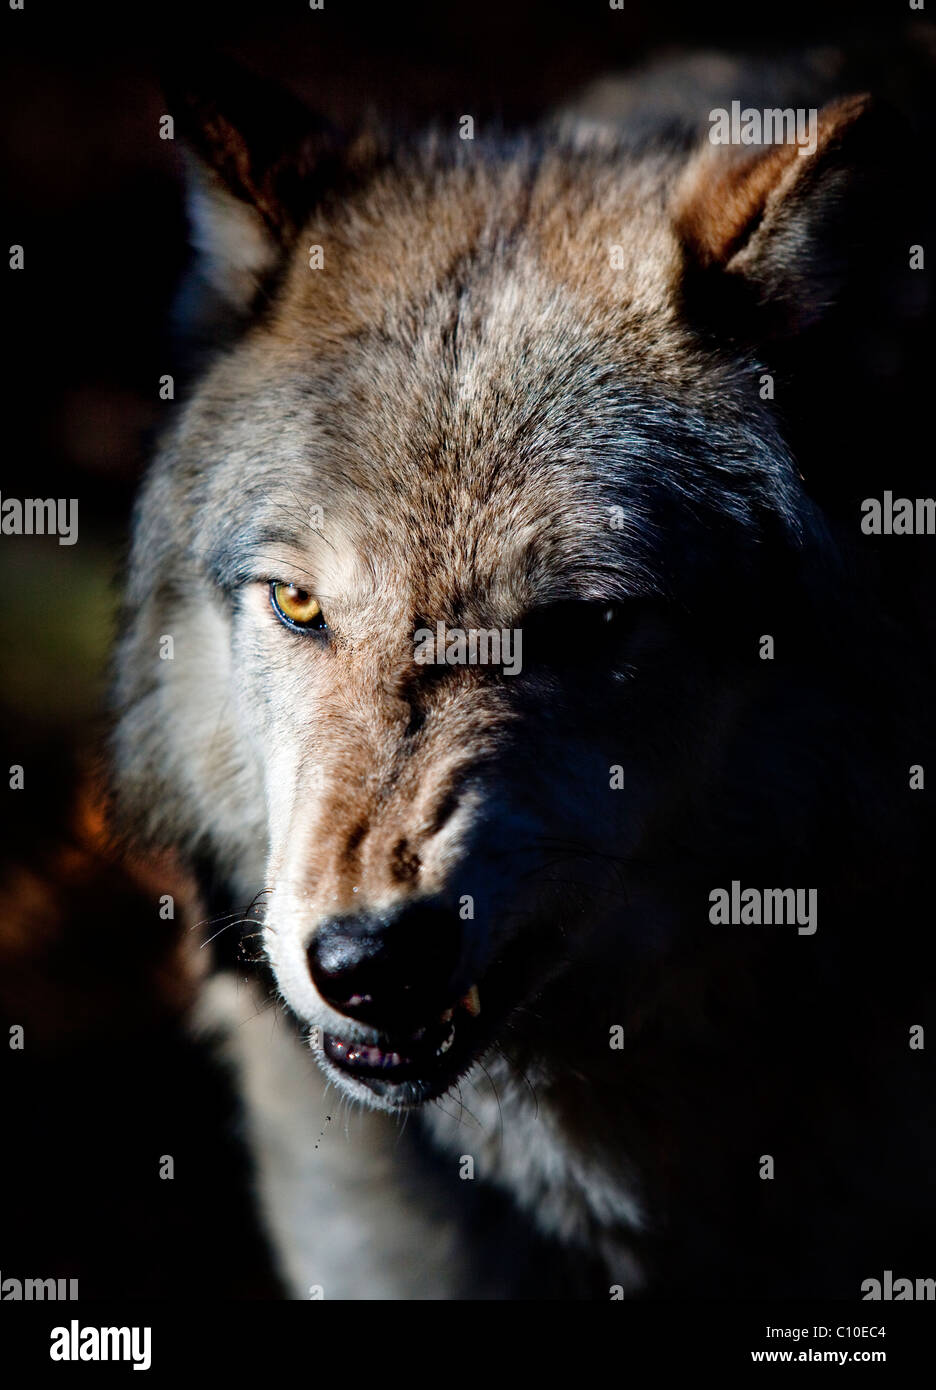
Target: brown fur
(468,388)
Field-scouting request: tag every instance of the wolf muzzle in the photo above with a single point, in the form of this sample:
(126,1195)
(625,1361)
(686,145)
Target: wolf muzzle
(392,970)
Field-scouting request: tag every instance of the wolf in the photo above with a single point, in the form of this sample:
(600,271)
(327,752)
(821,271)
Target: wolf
(612,387)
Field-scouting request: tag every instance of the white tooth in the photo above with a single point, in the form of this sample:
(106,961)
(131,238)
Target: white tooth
(472,1001)
(447,1044)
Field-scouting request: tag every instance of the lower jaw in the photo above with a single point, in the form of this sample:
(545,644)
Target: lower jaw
(386,1094)
(412,1070)
(405,1088)
(395,1095)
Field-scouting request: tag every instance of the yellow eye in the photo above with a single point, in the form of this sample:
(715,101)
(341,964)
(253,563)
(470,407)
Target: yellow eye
(296,608)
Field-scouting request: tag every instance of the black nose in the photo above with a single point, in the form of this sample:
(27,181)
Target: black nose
(392,970)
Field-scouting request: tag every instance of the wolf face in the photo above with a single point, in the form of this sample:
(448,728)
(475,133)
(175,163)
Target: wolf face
(481,386)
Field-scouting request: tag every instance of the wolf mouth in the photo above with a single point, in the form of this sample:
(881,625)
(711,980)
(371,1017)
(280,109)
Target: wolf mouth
(431,1056)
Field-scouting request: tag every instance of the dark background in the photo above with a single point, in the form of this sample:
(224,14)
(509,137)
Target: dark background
(108,1079)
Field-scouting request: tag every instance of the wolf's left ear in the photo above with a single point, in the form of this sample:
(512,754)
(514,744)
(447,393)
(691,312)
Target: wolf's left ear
(255,157)
(779,222)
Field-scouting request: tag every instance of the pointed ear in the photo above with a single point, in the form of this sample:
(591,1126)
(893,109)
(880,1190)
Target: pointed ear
(774,228)
(256,158)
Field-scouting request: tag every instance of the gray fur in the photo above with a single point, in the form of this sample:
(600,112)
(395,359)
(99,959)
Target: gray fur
(467,389)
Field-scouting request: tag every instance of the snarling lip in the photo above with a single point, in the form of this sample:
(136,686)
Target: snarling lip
(426,1056)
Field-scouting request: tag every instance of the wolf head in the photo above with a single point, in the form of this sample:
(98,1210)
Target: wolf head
(510,388)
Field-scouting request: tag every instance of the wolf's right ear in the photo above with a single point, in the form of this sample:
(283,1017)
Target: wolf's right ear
(256,157)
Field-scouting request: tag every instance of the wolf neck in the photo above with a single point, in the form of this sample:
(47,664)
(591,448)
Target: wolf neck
(530,1135)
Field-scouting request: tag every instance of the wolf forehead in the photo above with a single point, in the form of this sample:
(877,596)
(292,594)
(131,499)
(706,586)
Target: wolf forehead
(469,368)
(281,488)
